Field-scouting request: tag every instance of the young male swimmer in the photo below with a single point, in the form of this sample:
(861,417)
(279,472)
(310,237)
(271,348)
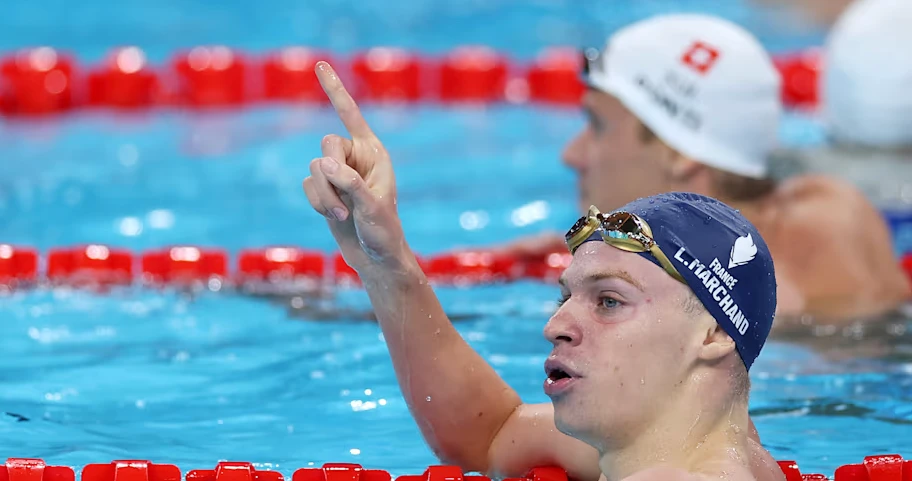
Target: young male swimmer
(664,307)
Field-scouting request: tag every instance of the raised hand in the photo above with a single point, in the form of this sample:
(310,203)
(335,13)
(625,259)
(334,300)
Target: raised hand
(354,187)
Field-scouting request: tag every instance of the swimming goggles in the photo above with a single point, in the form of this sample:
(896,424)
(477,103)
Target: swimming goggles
(622,230)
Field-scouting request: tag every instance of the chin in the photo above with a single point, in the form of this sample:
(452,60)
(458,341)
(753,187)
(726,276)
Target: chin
(568,418)
(572,423)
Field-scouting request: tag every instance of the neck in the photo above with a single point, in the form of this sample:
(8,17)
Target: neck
(759,211)
(699,424)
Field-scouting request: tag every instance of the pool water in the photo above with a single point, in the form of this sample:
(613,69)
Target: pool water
(140,373)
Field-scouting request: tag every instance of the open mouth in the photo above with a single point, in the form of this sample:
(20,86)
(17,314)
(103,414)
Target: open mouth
(557,374)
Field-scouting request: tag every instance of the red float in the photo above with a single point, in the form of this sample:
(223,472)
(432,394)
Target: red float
(471,268)
(123,80)
(442,473)
(554,77)
(800,74)
(885,467)
(18,265)
(36,81)
(387,74)
(340,472)
(211,76)
(233,471)
(94,265)
(130,470)
(289,75)
(31,469)
(544,473)
(473,74)
(907,265)
(184,265)
(276,264)
(549,267)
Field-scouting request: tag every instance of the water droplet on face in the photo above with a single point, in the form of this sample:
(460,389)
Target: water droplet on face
(643,381)
(428,399)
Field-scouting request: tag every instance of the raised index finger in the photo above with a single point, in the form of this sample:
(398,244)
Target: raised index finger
(342,101)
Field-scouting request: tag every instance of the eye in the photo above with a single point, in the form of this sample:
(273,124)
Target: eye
(561,300)
(594,122)
(610,302)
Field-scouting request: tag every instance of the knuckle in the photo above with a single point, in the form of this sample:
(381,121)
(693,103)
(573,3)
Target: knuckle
(330,139)
(315,168)
(354,184)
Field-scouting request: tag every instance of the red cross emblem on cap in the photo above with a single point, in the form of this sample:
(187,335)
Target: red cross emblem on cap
(701,57)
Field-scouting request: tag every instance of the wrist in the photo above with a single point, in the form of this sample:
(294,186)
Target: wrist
(401,268)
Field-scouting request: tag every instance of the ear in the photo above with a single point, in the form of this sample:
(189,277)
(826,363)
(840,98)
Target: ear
(717,344)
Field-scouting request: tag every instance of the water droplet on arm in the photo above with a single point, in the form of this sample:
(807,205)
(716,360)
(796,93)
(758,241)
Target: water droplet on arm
(428,399)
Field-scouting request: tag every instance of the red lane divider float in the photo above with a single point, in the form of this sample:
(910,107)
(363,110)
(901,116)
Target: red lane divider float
(124,80)
(907,265)
(884,467)
(43,80)
(800,73)
(131,470)
(253,269)
(196,266)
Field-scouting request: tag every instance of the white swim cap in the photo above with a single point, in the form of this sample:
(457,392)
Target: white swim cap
(867,78)
(702,84)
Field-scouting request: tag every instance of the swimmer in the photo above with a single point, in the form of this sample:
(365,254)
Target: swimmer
(692,103)
(665,306)
(867,108)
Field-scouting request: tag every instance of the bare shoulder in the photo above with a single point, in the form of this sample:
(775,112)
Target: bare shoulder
(824,197)
(824,208)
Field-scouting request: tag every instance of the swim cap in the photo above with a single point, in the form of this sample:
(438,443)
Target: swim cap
(721,256)
(867,75)
(703,85)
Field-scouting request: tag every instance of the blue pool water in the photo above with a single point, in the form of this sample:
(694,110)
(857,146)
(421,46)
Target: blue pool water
(138,373)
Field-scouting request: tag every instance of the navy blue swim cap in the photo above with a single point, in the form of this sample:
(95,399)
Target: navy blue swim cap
(722,257)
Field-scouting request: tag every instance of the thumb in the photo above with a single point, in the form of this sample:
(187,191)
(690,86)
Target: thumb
(347,181)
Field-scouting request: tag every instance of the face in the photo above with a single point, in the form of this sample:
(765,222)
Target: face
(622,344)
(613,163)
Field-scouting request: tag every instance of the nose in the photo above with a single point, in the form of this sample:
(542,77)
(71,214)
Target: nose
(562,328)
(573,154)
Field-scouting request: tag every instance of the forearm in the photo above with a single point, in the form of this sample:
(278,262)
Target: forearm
(458,400)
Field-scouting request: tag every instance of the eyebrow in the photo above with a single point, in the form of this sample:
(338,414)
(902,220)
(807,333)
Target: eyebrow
(598,276)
